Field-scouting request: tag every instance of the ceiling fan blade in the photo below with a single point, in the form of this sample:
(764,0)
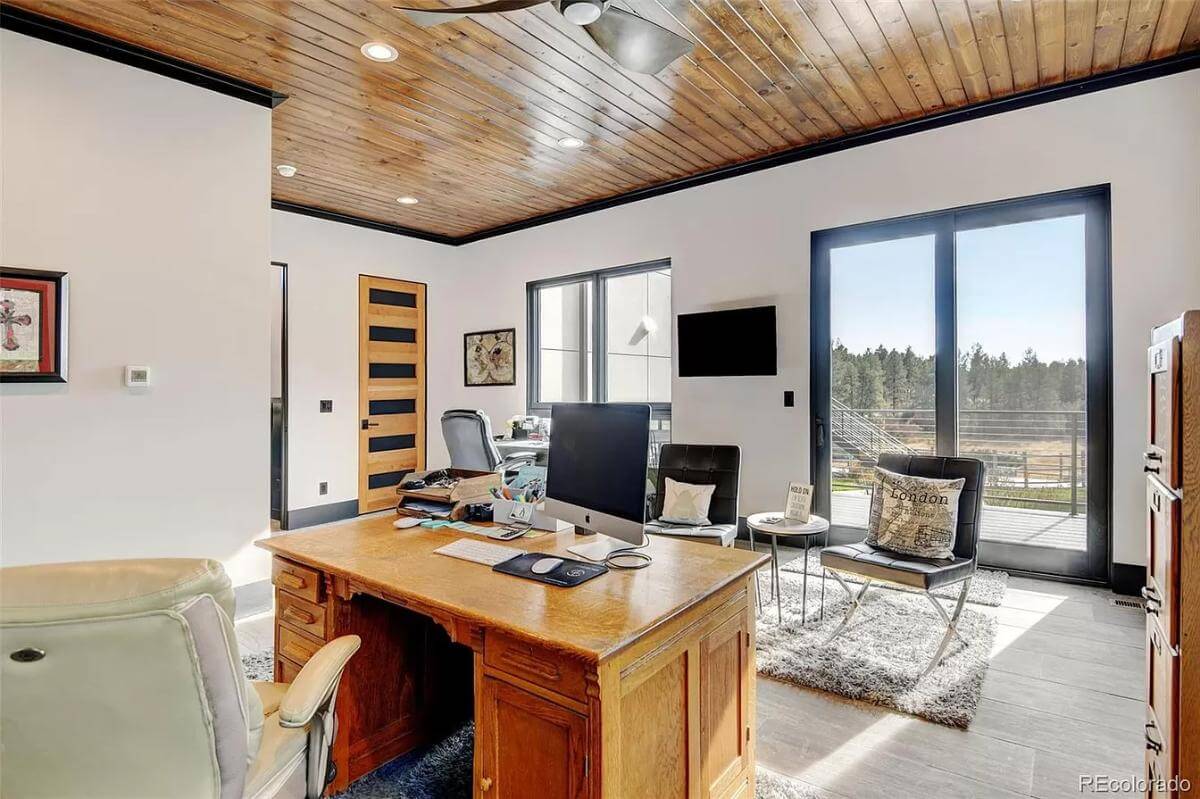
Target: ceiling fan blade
(425,17)
(635,43)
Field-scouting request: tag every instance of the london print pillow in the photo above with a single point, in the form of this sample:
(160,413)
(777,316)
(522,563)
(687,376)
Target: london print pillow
(914,515)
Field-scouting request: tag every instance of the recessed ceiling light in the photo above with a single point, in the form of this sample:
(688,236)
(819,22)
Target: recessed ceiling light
(378,51)
(570,143)
(286,170)
(582,12)
(407,200)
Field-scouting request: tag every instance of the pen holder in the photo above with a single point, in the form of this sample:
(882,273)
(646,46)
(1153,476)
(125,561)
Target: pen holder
(502,514)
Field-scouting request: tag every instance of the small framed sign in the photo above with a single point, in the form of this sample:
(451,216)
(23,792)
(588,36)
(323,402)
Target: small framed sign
(799,502)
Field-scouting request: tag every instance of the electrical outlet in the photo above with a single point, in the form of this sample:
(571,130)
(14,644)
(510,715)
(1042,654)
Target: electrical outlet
(326,406)
(322,488)
(789,399)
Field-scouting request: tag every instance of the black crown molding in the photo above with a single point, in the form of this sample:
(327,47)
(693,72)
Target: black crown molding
(358,221)
(52,30)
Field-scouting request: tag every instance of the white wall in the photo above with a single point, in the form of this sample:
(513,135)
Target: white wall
(324,260)
(746,241)
(152,194)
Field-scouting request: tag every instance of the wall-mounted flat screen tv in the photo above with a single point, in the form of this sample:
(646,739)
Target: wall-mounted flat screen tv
(727,343)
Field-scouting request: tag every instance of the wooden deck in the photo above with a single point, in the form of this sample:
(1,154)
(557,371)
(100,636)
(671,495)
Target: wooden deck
(1010,525)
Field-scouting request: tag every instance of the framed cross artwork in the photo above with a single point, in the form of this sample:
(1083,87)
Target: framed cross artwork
(33,326)
(490,358)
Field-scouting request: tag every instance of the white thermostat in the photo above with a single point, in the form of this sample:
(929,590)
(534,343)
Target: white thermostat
(137,376)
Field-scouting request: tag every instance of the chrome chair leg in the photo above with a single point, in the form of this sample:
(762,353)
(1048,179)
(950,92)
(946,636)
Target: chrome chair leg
(855,604)
(951,624)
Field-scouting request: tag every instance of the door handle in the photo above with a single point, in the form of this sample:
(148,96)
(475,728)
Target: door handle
(820,431)
(367,423)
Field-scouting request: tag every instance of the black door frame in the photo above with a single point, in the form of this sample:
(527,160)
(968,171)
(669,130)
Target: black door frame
(283,391)
(1094,203)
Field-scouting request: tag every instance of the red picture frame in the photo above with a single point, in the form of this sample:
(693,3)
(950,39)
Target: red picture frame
(51,288)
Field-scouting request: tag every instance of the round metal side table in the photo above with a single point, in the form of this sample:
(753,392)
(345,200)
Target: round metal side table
(775,525)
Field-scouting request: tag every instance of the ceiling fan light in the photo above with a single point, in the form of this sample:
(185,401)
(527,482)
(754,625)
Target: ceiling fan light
(582,12)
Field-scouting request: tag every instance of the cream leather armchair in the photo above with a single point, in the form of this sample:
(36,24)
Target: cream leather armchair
(123,679)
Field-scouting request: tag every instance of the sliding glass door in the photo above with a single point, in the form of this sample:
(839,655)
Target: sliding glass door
(981,331)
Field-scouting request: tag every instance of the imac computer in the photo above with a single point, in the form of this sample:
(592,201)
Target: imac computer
(596,478)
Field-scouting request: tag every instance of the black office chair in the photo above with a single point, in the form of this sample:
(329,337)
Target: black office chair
(468,435)
(875,563)
(700,464)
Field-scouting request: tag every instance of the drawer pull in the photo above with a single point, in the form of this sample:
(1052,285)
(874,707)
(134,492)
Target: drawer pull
(1149,593)
(1149,468)
(291,580)
(1152,456)
(1153,607)
(298,615)
(1154,746)
(485,783)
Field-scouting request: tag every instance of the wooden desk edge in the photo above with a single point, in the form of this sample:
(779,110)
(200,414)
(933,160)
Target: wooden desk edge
(276,547)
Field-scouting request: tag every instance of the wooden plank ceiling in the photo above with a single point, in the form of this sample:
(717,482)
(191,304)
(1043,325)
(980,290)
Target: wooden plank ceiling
(467,118)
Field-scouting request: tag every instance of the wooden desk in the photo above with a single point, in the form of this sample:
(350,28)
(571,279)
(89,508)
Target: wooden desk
(636,684)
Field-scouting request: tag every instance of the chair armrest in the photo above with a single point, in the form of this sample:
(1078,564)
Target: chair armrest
(316,681)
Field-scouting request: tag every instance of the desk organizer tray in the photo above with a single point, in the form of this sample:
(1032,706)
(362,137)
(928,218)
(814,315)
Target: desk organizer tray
(567,574)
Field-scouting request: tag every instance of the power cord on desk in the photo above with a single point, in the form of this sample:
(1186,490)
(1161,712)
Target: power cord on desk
(640,560)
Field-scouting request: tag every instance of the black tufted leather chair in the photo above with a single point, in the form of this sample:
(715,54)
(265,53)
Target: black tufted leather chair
(700,464)
(926,574)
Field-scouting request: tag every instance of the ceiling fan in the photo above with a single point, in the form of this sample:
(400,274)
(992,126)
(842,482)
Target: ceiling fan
(635,43)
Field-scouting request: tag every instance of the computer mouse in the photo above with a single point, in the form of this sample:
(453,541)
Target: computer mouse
(404,522)
(545,565)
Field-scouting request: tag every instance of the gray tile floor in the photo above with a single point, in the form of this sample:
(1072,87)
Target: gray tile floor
(1062,698)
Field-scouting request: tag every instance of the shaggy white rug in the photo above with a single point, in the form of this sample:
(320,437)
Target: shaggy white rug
(987,587)
(443,770)
(880,657)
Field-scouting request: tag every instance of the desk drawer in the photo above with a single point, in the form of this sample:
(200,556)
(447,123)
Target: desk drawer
(296,647)
(300,580)
(285,670)
(1162,583)
(539,665)
(300,613)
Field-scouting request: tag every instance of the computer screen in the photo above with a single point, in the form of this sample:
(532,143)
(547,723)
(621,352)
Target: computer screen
(598,454)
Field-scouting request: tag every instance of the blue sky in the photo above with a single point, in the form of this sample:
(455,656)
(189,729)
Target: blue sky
(1019,286)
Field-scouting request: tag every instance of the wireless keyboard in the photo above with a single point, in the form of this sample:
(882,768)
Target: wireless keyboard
(479,551)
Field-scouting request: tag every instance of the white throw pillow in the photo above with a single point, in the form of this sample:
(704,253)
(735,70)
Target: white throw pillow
(685,503)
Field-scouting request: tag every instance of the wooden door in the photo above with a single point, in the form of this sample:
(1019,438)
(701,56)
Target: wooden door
(391,387)
(527,746)
(726,663)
